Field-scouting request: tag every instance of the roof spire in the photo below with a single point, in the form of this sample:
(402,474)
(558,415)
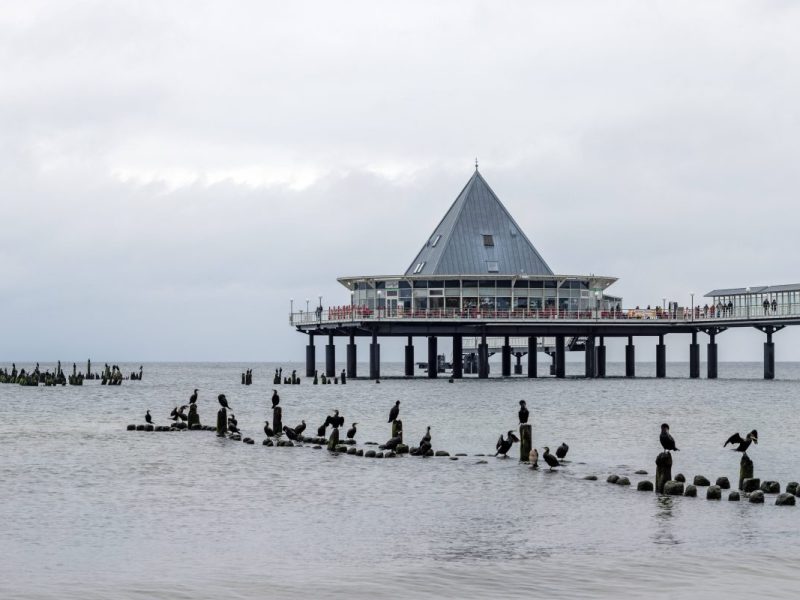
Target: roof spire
(476,163)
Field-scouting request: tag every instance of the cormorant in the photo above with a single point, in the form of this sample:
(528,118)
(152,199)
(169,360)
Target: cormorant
(424,448)
(351,433)
(561,451)
(394,413)
(193,398)
(744,443)
(300,428)
(275,398)
(551,460)
(667,441)
(290,433)
(394,442)
(523,412)
(321,429)
(334,420)
(174,414)
(181,415)
(232,419)
(533,458)
(233,428)
(148,418)
(504,445)
(223,401)
(426,439)
(268,430)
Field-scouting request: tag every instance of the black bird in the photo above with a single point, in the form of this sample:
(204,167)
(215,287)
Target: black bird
(290,433)
(174,414)
(181,415)
(334,420)
(551,460)
(504,445)
(300,428)
(193,398)
(232,427)
(424,448)
(523,412)
(268,430)
(351,433)
(321,429)
(148,418)
(667,441)
(561,451)
(223,401)
(394,413)
(232,419)
(275,398)
(394,442)
(744,443)
(426,439)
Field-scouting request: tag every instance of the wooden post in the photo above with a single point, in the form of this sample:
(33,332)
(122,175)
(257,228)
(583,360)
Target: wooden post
(525,442)
(222,422)
(663,471)
(277,422)
(333,441)
(397,428)
(745,469)
(194,418)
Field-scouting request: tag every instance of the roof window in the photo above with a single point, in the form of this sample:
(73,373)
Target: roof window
(419,267)
(488,240)
(493,266)
(436,240)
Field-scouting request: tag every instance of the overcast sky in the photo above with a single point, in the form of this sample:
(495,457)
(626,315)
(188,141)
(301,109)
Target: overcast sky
(173,173)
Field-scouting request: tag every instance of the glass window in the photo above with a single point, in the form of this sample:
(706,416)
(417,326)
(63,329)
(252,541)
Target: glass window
(452,283)
(436,240)
(504,303)
(451,303)
(488,240)
(550,283)
(405,284)
(521,283)
(521,303)
(470,302)
(469,284)
(504,283)
(487,302)
(436,284)
(419,267)
(492,266)
(420,283)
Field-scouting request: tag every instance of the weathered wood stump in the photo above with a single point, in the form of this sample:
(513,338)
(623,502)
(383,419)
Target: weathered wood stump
(333,440)
(222,422)
(397,429)
(277,420)
(525,442)
(745,469)
(194,418)
(663,471)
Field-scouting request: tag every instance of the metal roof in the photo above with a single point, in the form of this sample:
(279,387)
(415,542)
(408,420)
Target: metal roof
(458,245)
(755,289)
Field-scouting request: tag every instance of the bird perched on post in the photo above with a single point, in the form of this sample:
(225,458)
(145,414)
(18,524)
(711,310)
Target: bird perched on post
(533,458)
(174,414)
(300,428)
(182,413)
(268,430)
(394,442)
(667,441)
(551,460)
(504,445)
(351,433)
(321,429)
(394,413)
(561,451)
(223,401)
(148,418)
(290,433)
(275,398)
(744,443)
(427,437)
(334,420)
(523,412)
(193,397)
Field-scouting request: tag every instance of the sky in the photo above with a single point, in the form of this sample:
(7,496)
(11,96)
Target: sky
(173,173)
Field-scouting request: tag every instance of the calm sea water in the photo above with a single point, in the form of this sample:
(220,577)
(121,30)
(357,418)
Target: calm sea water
(89,510)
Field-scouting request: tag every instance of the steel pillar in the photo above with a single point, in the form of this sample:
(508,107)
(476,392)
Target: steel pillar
(310,356)
(769,358)
(506,362)
(410,357)
(433,358)
(630,358)
(694,357)
(458,357)
(590,370)
(600,359)
(559,357)
(483,359)
(518,364)
(661,358)
(712,357)
(533,349)
(351,358)
(374,358)
(330,358)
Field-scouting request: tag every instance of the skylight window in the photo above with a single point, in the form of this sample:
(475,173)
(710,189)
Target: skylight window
(436,240)
(492,266)
(488,240)
(419,267)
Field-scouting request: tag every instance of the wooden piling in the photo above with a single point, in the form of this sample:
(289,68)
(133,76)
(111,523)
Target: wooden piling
(525,442)
(222,422)
(745,469)
(663,471)
(397,429)
(333,441)
(277,421)
(194,418)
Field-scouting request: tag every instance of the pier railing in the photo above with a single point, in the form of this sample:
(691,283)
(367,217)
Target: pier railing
(356,313)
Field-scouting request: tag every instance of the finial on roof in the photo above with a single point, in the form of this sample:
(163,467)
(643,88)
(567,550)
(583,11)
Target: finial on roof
(476,163)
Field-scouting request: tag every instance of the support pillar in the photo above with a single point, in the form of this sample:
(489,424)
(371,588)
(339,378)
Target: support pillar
(458,357)
(533,349)
(483,359)
(769,357)
(518,364)
(352,358)
(410,357)
(506,356)
(661,358)
(559,357)
(330,358)
(374,358)
(712,356)
(589,360)
(630,358)
(433,357)
(310,356)
(694,357)
(600,359)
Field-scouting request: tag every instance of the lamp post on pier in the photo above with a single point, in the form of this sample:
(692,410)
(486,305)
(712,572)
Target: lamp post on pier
(291,310)
(378,305)
(747,301)
(596,305)
(352,312)
(692,295)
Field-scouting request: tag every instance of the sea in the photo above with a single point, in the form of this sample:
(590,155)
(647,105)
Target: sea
(90,510)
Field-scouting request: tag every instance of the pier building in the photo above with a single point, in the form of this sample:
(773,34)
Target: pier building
(479,280)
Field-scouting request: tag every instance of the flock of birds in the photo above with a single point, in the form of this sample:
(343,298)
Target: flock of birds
(668,442)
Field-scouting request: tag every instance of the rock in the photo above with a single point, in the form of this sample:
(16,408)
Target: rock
(389,454)
(429,453)
(369,454)
(441,453)
(341,448)
(196,427)
(478,455)
(381,447)
(640,472)
(691,491)
(700,480)
(140,428)
(453,458)
(757,497)
(460,454)
(751,484)
(236,437)
(348,442)
(267,442)
(680,477)
(401,449)
(181,425)
(645,486)
(131,427)
(771,487)
(380,454)
(149,428)
(482,462)
(317,447)
(370,443)
(623,481)
(723,483)
(791,487)
(784,499)
(351,450)
(733,496)
(612,479)
(288,443)
(673,488)
(359,452)
(714,492)
(591,478)
(248,441)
